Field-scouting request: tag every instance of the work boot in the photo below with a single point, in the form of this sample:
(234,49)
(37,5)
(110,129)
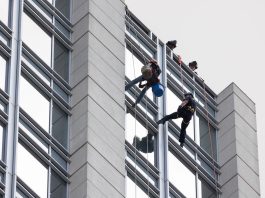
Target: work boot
(181,144)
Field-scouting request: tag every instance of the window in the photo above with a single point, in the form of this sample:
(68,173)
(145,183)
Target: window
(133,127)
(204,190)
(36,39)
(57,186)
(173,103)
(61,60)
(205,135)
(30,170)
(2,143)
(135,190)
(3,73)
(64,7)
(4,8)
(59,125)
(34,103)
(181,176)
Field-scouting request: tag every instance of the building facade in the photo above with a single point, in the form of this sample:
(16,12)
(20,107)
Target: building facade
(67,125)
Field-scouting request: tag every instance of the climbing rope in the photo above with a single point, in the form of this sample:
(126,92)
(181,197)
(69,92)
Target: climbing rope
(146,122)
(210,136)
(181,73)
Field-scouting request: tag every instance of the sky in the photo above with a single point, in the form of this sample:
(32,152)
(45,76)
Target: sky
(226,38)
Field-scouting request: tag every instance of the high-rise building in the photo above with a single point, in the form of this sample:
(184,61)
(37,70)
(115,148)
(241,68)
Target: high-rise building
(67,125)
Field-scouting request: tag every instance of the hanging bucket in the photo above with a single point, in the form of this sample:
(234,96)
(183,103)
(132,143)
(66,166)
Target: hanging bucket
(158,89)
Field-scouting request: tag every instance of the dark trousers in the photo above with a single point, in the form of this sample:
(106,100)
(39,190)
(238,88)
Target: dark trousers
(181,113)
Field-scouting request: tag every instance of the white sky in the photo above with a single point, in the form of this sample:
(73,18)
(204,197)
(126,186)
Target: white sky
(226,38)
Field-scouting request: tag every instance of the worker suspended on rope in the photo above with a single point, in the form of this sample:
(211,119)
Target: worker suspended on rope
(146,144)
(185,111)
(150,73)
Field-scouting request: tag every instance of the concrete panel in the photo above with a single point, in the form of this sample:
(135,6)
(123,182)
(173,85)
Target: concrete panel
(117,129)
(106,55)
(105,186)
(79,74)
(107,68)
(80,28)
(248,174)
(225,108)
(106,170)
(78,159)
(244,111)
(228,153)
(226,139)
(105,82)
(229,188)
(118,5)
(226,124)
(78,178)
(107,38)
(79,10)
(246,129)
(247,190)
(80,191)
(79,139)
(229,170)
(249,159)
(109,18)
(79,92)
(244,97)
(225,93)
(115,110)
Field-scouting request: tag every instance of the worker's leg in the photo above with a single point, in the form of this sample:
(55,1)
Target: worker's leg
(174,115)
(184,126)
(141,95)
(133,82)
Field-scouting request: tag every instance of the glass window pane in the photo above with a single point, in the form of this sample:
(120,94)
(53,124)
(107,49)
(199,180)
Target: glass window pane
(31,170)
(57,187)
(42,10)
(64,30)
(173,103)
(206,137)
(63,6)
(181,177)
(2,143)
(4,11)
(4,39)
(39,42)
(135,190)
(2,177)
(61,60)
(34,103)
(60,125)
(60,91)
(204,190)
(3,73)
(33,136)
(2,106)
(133,127)
(36,69)
(59,159)
(20,194)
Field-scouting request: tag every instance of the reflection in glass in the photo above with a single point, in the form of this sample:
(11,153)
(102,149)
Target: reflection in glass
(133,67)
(37,139)
(34,103)
(135,190)
(4,7)
(59,159)
(42,10)
(57,186)
(2,106)
(133,127)
(20,194)
(36,38)
(201,101)
(36,69)
(60,91)
(59,125)
(61,60)
(205,135)
(181,177)
(4,39)
(206,166)
(64,30)
(63,6)
(3,73)
(30,170)
(1,141)
(173,103)
(204,190)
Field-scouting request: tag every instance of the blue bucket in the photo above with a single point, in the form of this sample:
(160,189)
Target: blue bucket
(158,89)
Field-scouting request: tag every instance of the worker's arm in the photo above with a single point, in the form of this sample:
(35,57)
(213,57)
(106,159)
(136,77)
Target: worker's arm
(184,102)
(141,85)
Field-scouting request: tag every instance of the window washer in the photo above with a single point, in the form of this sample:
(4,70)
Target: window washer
(145,145)
(185,111)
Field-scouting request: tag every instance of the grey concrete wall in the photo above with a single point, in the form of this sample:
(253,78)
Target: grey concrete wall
(237,144)
(97,136)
